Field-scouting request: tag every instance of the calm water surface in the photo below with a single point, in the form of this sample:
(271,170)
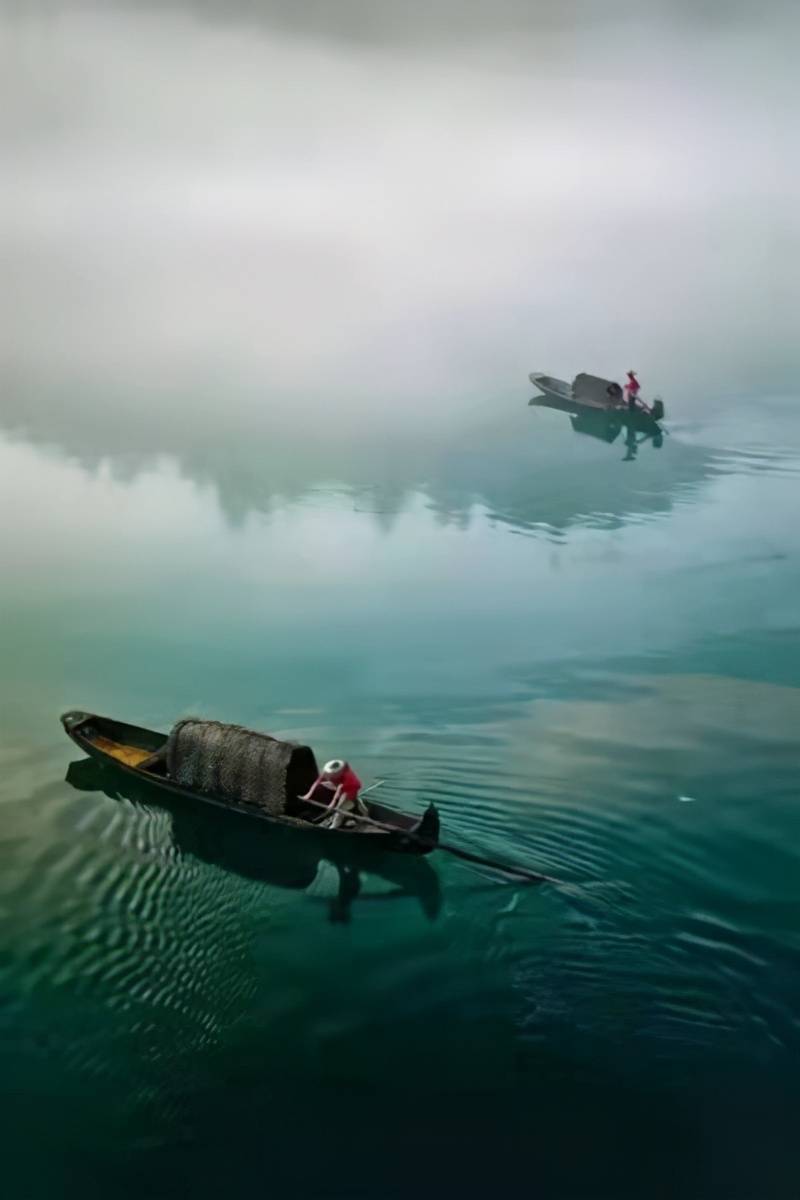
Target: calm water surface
(272,278)
(589,665)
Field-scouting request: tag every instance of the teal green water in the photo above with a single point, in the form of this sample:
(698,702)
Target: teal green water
(272,279)
(590,665)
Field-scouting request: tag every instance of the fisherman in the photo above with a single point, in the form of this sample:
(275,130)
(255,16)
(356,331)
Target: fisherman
(338,787)
(632,388)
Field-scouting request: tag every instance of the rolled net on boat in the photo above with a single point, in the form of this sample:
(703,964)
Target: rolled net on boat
(238,764)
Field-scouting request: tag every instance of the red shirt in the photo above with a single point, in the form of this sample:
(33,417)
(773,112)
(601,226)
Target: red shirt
(633,385)
(350,783)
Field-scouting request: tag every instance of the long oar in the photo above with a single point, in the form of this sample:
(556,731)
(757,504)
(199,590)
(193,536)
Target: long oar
(456,851)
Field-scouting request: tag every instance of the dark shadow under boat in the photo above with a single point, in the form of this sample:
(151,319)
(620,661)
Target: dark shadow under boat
(604,424)
(270,854)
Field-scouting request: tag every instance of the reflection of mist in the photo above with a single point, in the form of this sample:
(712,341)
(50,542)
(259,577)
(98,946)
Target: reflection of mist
(687,725)
(510,462)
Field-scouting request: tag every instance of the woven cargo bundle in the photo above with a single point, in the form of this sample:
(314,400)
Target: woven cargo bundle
(234,763)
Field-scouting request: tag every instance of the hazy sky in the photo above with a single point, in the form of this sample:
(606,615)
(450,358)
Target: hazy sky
(394,209)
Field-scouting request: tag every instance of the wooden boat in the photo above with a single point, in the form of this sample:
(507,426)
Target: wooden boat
(142,754)
(592,398)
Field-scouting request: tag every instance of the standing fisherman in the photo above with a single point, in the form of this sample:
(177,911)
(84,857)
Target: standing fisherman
(632,388)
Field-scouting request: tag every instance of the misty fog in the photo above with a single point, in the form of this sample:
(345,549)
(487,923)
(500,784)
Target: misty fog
(207,211)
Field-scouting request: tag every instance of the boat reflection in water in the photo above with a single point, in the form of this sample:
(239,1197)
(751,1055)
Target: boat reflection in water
(274,855)
(608,426)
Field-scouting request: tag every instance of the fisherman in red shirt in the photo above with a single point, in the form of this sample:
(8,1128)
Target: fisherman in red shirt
(632,388)
(342,785)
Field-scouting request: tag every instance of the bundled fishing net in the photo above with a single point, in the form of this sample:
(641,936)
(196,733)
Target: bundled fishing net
(239,764)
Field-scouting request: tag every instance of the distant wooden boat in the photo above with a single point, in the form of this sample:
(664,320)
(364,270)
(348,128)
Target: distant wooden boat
(147,756)
(589,396)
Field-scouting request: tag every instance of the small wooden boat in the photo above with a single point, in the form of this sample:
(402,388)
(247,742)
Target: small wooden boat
(590,397)
(288,769)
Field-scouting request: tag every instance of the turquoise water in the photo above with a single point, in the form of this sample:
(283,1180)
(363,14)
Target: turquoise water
(589,665)
(272,279)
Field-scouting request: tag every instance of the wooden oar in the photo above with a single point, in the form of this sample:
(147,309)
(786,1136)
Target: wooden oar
(456,851)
